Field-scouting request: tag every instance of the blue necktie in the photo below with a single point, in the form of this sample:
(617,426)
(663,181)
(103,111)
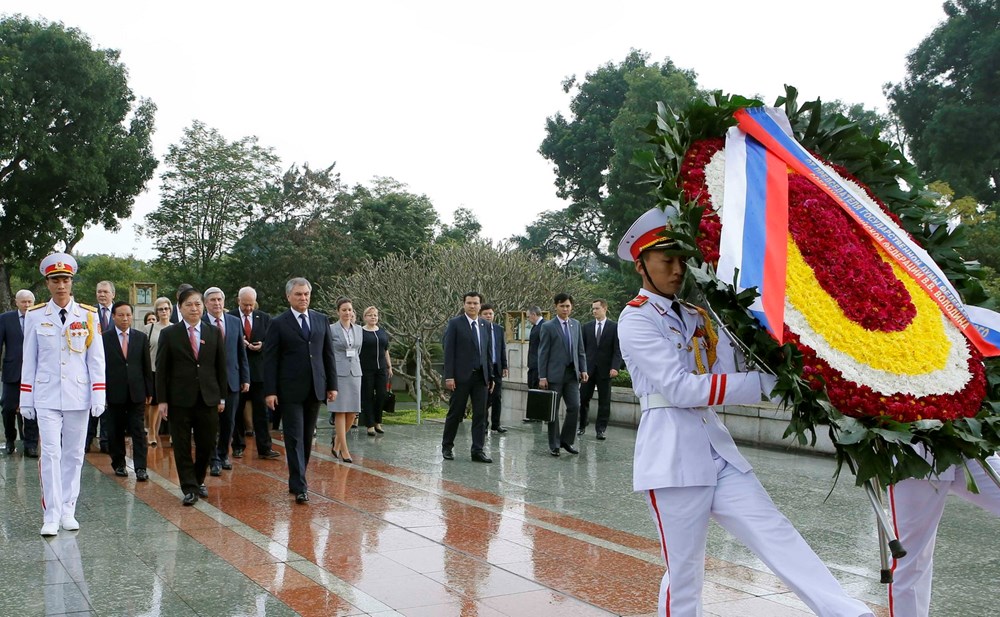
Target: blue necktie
(305,326)
(475,339)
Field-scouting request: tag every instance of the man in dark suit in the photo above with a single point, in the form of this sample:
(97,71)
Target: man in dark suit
(237,372)
(191,386)
(604,359)
(536,319)
(299,372)
(105,294)
(562,367)
(254,324)
(11,343)
(468,374)
(498,362)
(129,379)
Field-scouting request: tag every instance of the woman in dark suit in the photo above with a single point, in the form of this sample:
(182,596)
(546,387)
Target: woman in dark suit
(376,371)
(191,387)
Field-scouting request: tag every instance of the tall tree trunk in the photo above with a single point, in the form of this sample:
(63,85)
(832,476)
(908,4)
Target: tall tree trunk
(6,295)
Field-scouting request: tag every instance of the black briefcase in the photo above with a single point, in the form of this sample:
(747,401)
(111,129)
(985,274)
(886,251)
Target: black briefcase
(543,405)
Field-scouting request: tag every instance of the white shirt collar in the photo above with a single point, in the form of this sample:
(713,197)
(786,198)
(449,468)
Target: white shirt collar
(120,331)
(298,314)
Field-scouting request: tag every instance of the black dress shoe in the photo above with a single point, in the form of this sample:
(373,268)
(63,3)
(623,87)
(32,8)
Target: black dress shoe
(216,469)
(31,452)
(601,436)
(238,453)
(302,497)
(227,464)
(190,499)
(270,454)
(202,490)
(499,429)
(347,459)
(481,457)
(120,472)
(554,451)
(141,475)
(104,449)
(581,431)
(10,448)
(570,449)
(447,454)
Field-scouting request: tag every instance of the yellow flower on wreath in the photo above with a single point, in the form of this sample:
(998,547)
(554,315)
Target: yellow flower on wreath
(922,347)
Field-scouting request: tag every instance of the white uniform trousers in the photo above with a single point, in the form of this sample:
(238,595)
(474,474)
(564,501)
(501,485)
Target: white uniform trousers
(917,506)
(63,435)
(743,508)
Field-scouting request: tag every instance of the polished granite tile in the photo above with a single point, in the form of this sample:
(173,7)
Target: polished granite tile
(465,608)
(543,602)
(481,580)
(403,592)
(403,533)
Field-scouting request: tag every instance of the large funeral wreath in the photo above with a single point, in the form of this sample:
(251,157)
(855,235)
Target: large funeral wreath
(867,354)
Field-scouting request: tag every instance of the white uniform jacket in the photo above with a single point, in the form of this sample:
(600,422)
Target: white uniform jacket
(679,429)
(63,365)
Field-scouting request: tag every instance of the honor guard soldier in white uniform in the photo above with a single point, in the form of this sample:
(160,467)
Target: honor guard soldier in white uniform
(62,383)
(917,506)
(685,459)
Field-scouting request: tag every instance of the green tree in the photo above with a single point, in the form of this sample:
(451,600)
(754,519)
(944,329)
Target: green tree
(122,271)
(947,102)
(868,120)
(464,230)
(386,218)
(74,142)
(303,234)
(212,191)
(593,148)
(399,286)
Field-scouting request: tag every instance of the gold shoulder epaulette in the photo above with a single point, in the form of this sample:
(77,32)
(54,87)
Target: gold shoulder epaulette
(638,300)
(38,306)
(92,309)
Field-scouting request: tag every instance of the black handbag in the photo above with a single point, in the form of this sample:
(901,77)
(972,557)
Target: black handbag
(389,404)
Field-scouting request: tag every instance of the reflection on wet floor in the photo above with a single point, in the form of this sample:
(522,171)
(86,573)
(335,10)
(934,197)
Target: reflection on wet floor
(401,532)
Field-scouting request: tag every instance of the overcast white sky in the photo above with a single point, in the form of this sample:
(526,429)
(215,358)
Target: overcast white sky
(451,97)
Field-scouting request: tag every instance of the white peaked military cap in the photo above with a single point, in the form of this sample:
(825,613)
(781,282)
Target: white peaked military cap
(647,233)
(60,264)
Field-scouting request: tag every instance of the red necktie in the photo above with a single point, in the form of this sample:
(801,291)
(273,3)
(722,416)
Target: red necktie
(194,341)
(246,327)
(218,323)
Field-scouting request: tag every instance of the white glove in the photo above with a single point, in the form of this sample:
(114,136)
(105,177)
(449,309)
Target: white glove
(28,413)
(767,383)
(97,410)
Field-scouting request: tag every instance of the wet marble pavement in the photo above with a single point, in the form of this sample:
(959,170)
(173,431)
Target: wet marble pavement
(402,532)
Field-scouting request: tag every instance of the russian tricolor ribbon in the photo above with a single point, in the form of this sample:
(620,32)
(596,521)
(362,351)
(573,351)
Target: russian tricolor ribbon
(769,128)
(754,246)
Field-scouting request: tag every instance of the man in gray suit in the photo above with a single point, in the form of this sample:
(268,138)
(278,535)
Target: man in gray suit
(562,366)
